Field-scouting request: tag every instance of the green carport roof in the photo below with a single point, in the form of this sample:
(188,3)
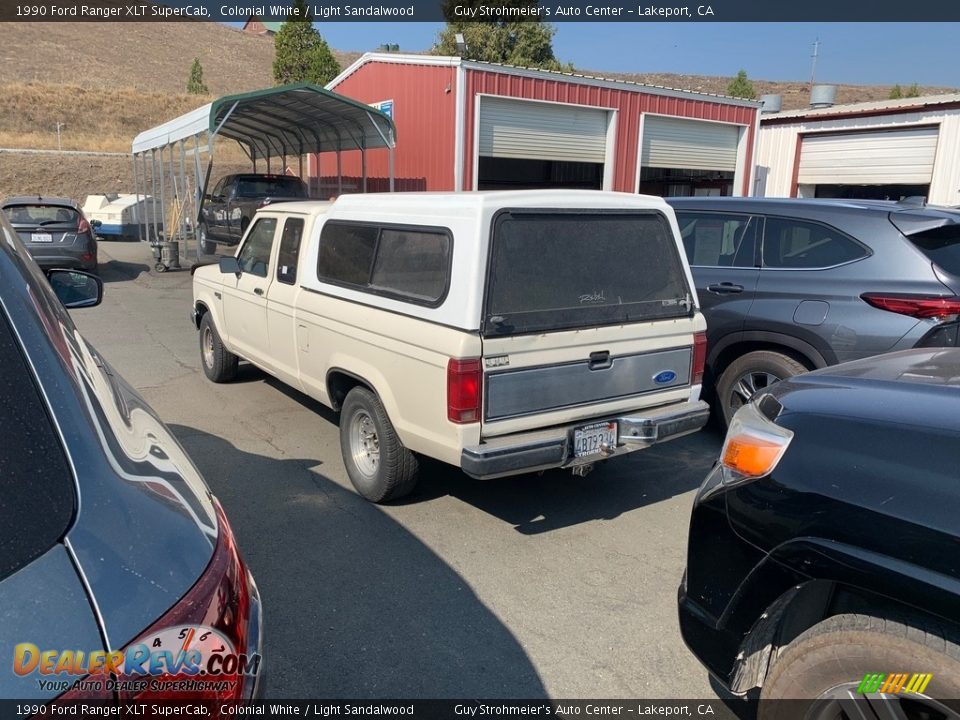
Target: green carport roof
(287,120)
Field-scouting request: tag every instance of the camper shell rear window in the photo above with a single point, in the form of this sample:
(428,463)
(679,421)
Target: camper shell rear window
(556,270)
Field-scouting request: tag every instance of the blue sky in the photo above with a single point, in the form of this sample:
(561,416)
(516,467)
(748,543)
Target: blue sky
(873,53)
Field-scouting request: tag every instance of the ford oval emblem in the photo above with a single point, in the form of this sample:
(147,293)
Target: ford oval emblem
(662,378)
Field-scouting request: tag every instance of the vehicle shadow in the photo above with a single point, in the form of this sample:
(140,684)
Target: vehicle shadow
(556,499)
(538,503)
(114,270)
(354,604)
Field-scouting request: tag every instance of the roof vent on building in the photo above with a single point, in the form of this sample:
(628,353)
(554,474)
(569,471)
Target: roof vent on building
(771,103)
(823,96)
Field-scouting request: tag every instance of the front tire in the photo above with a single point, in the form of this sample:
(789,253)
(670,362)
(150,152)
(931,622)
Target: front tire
(207,246)
(219,364)
(750,373)
(826,664)
(380,467)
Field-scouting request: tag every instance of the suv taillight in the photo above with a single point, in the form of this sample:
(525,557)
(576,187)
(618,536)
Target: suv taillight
(83,227)
(918,306)
(225,599)
(699,358)
(464,385)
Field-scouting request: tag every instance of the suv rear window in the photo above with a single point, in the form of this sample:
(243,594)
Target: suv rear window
(264,187)
(37,494)
(552,271)
(42,215)
(941,246)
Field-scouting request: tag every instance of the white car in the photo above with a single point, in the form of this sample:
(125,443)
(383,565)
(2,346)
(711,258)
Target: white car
(501,332)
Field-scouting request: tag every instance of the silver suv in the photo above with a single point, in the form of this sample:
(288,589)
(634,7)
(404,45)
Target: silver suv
(791,285)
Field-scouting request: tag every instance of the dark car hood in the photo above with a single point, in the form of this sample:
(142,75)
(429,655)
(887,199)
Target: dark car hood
(914,387)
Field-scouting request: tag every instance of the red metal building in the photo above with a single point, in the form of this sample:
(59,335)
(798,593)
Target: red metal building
(467,125)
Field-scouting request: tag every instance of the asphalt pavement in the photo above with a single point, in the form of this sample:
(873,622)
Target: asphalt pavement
(535,586)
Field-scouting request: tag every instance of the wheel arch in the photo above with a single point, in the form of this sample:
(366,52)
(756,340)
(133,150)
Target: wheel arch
(735,345)
(774,605)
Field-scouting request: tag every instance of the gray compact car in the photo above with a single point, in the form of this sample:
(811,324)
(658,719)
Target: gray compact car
(791,285)
(54,230)
(120,578)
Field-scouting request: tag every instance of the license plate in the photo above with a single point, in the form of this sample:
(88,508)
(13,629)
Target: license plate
(590,439)
(41,237)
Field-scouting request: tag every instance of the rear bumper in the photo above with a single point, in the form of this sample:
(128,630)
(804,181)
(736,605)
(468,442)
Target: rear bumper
(531,452)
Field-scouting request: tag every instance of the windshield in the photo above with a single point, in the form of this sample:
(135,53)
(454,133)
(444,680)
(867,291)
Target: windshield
(557,270)
(42,215)
(265,187)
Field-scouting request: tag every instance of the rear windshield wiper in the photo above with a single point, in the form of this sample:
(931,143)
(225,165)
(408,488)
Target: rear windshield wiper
(55,222)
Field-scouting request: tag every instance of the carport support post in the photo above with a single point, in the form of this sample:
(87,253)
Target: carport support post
(363,167)
(183,192)
(153,186)
(390,162)
(146,213)
(136,192)
(163,201)
(339,171)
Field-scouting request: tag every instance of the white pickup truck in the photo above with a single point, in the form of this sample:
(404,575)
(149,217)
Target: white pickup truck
(501,332)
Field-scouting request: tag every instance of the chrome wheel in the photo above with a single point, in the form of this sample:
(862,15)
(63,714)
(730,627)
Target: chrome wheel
(747,384)
(843,702)
(207,347)
(364,444)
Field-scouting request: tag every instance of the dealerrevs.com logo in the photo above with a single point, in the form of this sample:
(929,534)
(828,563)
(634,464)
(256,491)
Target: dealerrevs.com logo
(186,658)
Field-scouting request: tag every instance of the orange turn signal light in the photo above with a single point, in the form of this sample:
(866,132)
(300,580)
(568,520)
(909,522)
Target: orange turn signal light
(752,456)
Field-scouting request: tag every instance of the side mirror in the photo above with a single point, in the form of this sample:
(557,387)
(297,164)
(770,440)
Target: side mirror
(76,289)
(229,265)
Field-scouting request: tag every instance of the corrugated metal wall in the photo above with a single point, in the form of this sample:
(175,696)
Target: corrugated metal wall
(778,148)
(424,111)
(629,104)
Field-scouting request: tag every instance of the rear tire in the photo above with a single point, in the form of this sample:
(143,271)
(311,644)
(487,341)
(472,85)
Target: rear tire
(826,664)
(750,373)
(219,364)
(380,467)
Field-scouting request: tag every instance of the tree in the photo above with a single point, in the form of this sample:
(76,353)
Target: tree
(528,42)
(741,86)
(195,84)
(301,54)
(896,92)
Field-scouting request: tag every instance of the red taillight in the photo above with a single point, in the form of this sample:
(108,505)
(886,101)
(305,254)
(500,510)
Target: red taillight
(918,306)
(221,600)
(464,384)
(83,227)
(699,358)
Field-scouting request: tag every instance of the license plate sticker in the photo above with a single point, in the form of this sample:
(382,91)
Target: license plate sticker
(41,237)
(591,439)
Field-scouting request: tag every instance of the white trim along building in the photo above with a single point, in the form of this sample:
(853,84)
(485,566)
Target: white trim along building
(875,150)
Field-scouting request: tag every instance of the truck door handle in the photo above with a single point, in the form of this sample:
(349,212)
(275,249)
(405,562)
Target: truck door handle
(725,288)
(258,291)
(600,360)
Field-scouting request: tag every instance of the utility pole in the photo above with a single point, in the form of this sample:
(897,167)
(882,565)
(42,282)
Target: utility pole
(813,68)
(60,144)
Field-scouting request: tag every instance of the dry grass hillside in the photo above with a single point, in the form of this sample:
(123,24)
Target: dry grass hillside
(150,57)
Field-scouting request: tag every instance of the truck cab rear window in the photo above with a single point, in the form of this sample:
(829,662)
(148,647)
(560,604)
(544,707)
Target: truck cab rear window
(552,271)
(409,263)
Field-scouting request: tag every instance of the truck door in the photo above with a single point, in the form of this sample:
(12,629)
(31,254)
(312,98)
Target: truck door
(245,299)
(281,298)
(214,210)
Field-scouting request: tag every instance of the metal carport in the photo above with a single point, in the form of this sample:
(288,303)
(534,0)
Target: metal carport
(281,122)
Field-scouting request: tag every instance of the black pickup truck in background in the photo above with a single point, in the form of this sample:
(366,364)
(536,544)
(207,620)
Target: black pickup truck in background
(228,208)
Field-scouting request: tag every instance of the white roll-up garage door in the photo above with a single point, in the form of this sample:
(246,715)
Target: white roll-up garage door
(541,131)
(689,144)
(868,158)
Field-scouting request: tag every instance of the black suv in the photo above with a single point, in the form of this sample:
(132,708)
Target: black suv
(824,552)
(792,285)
